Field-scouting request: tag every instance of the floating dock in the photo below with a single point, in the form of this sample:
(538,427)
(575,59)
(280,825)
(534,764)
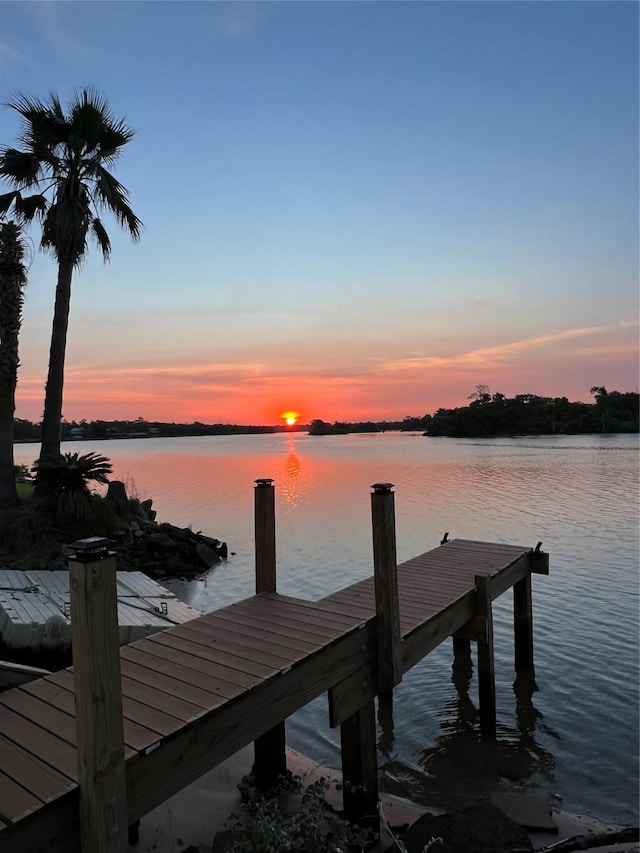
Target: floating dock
(35,609)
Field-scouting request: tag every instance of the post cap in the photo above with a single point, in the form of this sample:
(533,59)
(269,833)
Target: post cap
(91,549)
(382,488)
(264,481)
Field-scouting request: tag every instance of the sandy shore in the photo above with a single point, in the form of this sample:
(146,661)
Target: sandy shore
(194,816)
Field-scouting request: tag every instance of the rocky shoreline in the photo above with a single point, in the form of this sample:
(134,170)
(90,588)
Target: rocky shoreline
(160,550)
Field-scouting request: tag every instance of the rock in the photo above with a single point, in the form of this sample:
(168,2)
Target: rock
(145,507)
(208,556)
(117,493)
(160,541)
(477,828)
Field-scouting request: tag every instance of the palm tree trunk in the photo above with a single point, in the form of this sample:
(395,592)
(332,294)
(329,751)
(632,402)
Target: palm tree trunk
(8,492)
(13,278)
(52,418)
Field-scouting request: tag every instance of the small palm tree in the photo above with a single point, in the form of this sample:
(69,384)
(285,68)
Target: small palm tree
(13,278)
(67,481)
(63,166)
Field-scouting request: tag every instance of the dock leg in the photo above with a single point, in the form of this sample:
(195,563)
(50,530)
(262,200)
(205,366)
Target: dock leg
(134,833)
(462,669)
(360,768)
(486,669)
(523,624)
(270,758)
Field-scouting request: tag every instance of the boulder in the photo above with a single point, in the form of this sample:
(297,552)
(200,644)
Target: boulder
(477,828)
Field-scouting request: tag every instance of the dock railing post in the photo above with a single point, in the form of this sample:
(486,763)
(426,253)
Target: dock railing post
(486,668)
(385,570)
(98,697)
(270,756)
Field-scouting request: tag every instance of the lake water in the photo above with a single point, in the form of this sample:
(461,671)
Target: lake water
(574,734)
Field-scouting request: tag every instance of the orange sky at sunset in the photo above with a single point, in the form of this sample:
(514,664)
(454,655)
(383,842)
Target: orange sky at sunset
(259,393)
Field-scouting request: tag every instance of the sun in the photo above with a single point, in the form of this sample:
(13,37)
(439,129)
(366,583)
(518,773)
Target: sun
(290,418)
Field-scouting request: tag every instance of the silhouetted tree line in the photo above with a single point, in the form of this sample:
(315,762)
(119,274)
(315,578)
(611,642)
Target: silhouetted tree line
(528,414)
(139,428)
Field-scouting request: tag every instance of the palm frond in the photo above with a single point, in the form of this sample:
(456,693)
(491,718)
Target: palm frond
(31,207)
(101,237)
(21,168)
(6,200)
(113,196)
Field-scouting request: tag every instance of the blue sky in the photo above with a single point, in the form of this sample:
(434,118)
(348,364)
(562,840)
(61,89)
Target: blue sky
(352,209)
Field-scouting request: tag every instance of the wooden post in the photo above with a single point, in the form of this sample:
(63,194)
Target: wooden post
(265,536)
(385,570)
(523,624)
(360,768)
(462,669)
(98,697)
(270,756)
(486,670)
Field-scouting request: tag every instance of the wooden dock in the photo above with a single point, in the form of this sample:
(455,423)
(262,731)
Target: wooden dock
(196,693)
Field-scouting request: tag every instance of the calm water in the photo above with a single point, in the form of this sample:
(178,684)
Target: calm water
(574,734)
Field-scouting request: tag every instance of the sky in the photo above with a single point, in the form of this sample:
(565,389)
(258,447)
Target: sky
(352,210)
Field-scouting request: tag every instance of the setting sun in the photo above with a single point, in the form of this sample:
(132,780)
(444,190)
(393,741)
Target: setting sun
(290,418)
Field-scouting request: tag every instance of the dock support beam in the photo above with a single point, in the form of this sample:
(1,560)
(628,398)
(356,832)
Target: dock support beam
(98,697)
(360,768)
(523,624)
(486,669)
(385,570)
(270,755)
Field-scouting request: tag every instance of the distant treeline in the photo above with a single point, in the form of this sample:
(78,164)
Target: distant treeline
(140,428)
(487,415)
(528,414)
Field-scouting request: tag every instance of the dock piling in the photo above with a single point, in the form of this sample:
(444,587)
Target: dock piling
(360,767)
(486,669)
(98,697)
(385,569)
(270,756)
(523,623)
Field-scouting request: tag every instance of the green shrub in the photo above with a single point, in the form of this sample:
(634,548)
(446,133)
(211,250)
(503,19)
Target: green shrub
(312,827)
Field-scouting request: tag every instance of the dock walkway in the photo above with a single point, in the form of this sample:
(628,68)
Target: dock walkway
(198,692)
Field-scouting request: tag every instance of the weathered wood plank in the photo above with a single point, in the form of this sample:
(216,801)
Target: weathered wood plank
(15,802)
(230,649)
(171,687)
(211,738)
(182,673)
(136,735)
(205,665)
(40,743)
(44,783)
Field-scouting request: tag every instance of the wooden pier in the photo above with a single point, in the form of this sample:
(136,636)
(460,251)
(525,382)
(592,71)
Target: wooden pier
(86,752)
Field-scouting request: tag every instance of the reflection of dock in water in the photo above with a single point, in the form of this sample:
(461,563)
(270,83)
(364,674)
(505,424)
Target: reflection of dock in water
(84,753)
(463,764)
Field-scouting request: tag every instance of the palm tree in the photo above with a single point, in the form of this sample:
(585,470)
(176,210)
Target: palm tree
(13,278)
(63,165)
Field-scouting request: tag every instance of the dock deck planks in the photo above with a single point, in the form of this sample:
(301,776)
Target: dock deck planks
(194,694)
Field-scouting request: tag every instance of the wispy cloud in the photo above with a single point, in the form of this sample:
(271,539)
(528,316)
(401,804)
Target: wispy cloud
(13,54)
(505,352)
